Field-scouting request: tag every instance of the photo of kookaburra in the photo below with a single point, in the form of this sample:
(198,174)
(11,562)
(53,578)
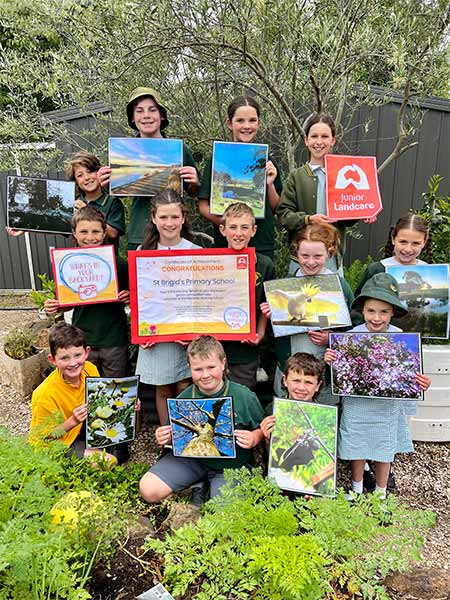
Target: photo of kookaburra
(303,305)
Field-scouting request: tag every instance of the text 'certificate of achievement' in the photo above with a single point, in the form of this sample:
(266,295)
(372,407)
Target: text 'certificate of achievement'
(181,294)
(85,275)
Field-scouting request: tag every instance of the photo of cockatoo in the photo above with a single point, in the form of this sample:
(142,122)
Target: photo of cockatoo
(303,305)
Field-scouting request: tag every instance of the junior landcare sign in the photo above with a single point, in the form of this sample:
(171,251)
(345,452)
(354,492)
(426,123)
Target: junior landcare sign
(352,190)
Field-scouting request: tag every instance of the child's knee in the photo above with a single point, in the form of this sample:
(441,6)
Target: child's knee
(153,489)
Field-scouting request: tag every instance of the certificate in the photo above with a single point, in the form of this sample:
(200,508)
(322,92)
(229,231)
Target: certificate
(181,294)
(84,275)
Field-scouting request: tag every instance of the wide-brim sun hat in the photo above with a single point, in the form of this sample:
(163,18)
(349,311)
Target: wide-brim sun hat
(384,287)
(142,92)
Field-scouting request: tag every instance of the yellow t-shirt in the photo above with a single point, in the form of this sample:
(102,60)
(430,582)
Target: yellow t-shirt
(53,402)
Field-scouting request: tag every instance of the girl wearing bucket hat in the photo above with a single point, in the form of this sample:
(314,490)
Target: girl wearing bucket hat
(147,115)
(373,428)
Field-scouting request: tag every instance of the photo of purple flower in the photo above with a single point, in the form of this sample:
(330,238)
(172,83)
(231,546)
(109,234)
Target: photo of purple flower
(376,365)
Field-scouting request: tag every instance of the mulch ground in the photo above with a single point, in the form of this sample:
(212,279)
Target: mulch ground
(422,480)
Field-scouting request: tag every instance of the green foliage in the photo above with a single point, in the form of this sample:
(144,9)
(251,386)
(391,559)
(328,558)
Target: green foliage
(38,559)
(48,291)
(436,211)
(252,542)
(282,255)
(19,343)
(353,274)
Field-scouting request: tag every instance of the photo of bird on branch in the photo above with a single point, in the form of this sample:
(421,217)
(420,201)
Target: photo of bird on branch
(202,428)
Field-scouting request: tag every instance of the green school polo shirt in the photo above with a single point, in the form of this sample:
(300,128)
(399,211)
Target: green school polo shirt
(140,206)
(264,239)
(105,324)
(237,352)
(248,414)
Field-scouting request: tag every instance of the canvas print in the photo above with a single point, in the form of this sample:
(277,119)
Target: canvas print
(85,275)
(425,290)
(145,166)
(238,175)
(376,365)
(302,454)
(299,304)
(111,404)
(44,205)
(202,428)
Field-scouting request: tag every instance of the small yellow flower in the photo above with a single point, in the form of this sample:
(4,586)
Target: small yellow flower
(97,424)
(104,412)
(125,390)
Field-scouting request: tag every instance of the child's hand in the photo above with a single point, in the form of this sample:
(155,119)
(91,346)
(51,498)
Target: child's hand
(104,176)
(254,342)
(423,381)
(137,405)
(267,425)
(321,219)
(271,172)
(330,356)
(163,434)
(80,413)
(320,338)
(79,204)
(14,232)
(264,307)
(189,175)
(124,296)
(370,220)
(146,345)
(244,438)
(182,343)
(51,306)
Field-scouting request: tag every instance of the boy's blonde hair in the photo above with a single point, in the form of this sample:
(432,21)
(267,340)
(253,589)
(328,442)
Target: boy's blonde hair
(88,213)
(204,346)
(237,209)
(306,363)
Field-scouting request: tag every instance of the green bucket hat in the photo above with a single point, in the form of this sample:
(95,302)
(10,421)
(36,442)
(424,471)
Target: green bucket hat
(384,287)
(141,92)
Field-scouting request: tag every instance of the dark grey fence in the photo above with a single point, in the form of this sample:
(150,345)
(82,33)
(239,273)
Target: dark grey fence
(401,184)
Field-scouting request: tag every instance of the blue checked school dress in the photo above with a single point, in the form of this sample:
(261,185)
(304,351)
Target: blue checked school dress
(371,428)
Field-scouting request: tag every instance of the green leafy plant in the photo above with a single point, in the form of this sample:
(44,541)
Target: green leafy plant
(436,211)
(48,291)
(19,343)
(353,274)
(253,542)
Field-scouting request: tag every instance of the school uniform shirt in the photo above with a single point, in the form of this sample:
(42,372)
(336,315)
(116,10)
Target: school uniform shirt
(105,325)
(372,428)
(264,238)
(140,206)
(114,212)
(237,352)
(165,362)
(248,414)
(53,402)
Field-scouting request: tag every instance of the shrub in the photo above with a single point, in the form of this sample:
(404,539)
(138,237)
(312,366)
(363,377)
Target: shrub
(19,343)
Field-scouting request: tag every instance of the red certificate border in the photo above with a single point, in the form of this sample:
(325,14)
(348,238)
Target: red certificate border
(82,249)
(140,339)
(346,216)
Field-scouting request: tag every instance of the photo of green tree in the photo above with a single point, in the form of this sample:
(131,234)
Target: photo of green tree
(302,455)
(238,175)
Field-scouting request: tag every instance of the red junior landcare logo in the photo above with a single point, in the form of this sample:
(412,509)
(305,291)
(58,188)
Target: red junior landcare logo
(352,187)
(241,262)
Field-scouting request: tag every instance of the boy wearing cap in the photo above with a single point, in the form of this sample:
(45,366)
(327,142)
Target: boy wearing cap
(148,116)
(373,428)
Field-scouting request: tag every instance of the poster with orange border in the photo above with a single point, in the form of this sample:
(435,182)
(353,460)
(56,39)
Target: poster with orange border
(352,190)
(85,275)
(181,294)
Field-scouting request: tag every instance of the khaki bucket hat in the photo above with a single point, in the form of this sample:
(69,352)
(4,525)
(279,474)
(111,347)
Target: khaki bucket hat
(384,287)
(141,92)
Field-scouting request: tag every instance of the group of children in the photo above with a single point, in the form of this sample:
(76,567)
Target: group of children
(369,429)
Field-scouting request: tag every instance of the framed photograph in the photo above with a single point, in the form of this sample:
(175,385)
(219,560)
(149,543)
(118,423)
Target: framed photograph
(238,175)
(425,290)
(85,275)
(111,404)
(180,294)
(38,204)
(202,428)
(302,456)
(299,304)
(376,365)
(352,190)
(145,166)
